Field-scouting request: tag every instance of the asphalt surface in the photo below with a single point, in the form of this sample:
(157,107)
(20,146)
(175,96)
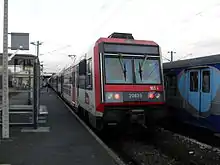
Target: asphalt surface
(67,141)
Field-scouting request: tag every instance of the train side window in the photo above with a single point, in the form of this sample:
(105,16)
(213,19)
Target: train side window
(82,67)
(62,79)
(89,74)
(73,78)
(206,81)
(193,81)
(70,80)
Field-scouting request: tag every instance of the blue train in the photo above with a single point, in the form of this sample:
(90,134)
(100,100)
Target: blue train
(193,91)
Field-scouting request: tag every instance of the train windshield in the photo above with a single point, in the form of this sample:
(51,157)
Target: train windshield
(147,71)
(118,70)
(129,70)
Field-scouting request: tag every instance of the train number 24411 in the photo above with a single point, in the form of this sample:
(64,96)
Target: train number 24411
(135,95)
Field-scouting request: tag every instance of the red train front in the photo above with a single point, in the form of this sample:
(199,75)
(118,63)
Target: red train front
(119,78)
(128,80)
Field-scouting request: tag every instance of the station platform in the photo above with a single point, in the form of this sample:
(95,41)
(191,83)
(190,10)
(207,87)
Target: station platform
(63,141)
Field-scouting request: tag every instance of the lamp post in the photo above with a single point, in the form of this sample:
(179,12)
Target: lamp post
(72,56)
(5,102)
(37,44)
(171,53)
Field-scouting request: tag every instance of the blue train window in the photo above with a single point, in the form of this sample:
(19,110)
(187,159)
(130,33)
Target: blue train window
(206,81)
(193,81)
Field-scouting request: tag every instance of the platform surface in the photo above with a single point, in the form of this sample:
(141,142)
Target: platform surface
(67,141)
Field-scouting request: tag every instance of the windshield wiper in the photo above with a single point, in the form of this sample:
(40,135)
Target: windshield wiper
(123,67)
(141,67)
(140,70)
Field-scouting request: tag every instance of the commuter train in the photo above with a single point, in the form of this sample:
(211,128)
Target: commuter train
(193,91)
(120,78)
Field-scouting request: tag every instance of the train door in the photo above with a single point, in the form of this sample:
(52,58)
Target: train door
(205,90)
(193,84)
(199,92)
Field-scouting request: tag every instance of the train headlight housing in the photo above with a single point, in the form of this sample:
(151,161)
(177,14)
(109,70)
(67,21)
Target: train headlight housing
(154,95)
(113,97)
(151,95)
(157,95)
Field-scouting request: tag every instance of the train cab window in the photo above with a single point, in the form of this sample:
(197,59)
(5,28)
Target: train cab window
(206,81)
(89,74)
(193,81)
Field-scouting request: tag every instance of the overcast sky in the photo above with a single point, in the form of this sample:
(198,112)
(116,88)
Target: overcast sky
(72,26)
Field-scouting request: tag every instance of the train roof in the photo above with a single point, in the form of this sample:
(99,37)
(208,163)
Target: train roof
(126,41)
(212,59)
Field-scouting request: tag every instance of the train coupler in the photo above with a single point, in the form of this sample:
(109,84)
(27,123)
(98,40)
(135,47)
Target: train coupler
(137,116)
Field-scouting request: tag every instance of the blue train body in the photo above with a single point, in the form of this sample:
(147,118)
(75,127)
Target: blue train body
(193,90)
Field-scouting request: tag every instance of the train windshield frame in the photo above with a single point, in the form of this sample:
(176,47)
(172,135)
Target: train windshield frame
(132,69)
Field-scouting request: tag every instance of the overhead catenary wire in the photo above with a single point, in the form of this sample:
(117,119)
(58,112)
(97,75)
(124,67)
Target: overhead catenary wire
(58,49)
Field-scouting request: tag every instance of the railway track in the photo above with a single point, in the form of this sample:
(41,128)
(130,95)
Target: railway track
(200,134)
(162,147)
(136,147)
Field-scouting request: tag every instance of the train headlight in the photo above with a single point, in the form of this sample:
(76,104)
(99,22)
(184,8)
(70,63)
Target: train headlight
(154,95)
(157,95)
(116,96)
(109,95)
(113,97)
(151,95)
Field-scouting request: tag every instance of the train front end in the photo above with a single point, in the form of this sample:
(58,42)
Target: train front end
(131,81)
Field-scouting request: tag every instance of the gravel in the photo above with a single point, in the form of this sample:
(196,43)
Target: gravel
(146,154)
(166,148)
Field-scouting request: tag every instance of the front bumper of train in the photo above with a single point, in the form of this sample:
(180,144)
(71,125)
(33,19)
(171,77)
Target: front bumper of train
(118,113)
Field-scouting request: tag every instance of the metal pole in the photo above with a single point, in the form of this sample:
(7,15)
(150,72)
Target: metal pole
(35,95)
(171,53)
(38,78)
(38,44)
(5,102)
(29,86)
(171,56)
(38,86)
